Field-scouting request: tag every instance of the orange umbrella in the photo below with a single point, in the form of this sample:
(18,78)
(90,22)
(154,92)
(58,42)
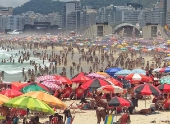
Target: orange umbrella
(3,99)
(145,50)
(47,98)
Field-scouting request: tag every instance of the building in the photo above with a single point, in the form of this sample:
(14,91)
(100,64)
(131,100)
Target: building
(71,15)
(15,22)
(90,17)
(151,31)
(6,11)
(98,30)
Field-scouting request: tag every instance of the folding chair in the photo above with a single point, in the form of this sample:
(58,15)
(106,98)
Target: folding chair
(109,119)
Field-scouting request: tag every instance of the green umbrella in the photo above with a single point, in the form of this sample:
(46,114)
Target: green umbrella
(165,80)
(24,102)
(124,49)
(30,88)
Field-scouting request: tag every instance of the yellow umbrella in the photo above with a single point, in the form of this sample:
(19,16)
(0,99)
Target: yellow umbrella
(104,46)
(47,98)
(119,46)
(3,99)
(168,54)
(168,42)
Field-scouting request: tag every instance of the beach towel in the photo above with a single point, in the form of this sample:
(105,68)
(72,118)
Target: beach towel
(109,119)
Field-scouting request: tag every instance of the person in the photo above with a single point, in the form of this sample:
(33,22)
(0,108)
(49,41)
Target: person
(68,115)
(101,108)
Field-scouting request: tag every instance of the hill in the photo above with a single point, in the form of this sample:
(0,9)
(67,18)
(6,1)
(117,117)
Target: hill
(49,6)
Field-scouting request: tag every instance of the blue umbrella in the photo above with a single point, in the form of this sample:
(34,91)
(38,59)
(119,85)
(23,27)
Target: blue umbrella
(112,71)
(123,72)
(139,71)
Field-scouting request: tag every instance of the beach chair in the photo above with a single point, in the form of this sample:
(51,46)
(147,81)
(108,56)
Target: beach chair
(70,120)
(109,119)
(67,94)
(124,119)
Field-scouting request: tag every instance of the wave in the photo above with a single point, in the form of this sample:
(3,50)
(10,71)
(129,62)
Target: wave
(13,72)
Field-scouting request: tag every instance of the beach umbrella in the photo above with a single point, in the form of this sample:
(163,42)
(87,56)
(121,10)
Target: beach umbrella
(64,80)
(38,84)
(118,101)
(80,78)
(167,58)
(3,99)
(147,89)
(95,83)
(123,72)
(110,89)
(139,71)
(137,77)
(165,80)
(11,93)
(164,87)
(112,71)
(51,85)
(103,74)
(156,69)
(34,87)
(113,81)
(25,102)
(165,70)
(95,75)
(124,49)
(44,78)
(16,85)
(47,98)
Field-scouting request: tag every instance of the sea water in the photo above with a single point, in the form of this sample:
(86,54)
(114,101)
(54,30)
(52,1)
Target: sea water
(13,71)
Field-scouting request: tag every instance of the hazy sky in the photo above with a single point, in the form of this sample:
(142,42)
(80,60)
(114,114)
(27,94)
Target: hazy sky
(15,3)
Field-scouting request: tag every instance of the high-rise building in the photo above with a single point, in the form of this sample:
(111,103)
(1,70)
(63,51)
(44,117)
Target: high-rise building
(71,15)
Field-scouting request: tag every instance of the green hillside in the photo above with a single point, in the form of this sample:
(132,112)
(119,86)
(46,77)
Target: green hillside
(49,6)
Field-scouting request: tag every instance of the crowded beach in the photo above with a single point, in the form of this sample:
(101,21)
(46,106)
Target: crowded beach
(74,80)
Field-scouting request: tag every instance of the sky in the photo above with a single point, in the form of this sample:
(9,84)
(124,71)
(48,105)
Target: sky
(15,3)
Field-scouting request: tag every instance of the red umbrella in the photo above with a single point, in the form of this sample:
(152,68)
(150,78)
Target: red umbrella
(63,79)
(11,93)
(137,77)
(114,82)
(95,83)
(80,78)
(164,87)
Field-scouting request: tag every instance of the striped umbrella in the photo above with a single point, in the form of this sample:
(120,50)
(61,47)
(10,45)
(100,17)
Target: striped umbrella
(164,87)
(110,88)
(137,77)
(24,102)
(95,83)
(51,85)
(147,89)
(118,101)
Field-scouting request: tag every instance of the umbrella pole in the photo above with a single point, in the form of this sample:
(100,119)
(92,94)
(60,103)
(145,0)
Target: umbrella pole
(145,103)
(116,114)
